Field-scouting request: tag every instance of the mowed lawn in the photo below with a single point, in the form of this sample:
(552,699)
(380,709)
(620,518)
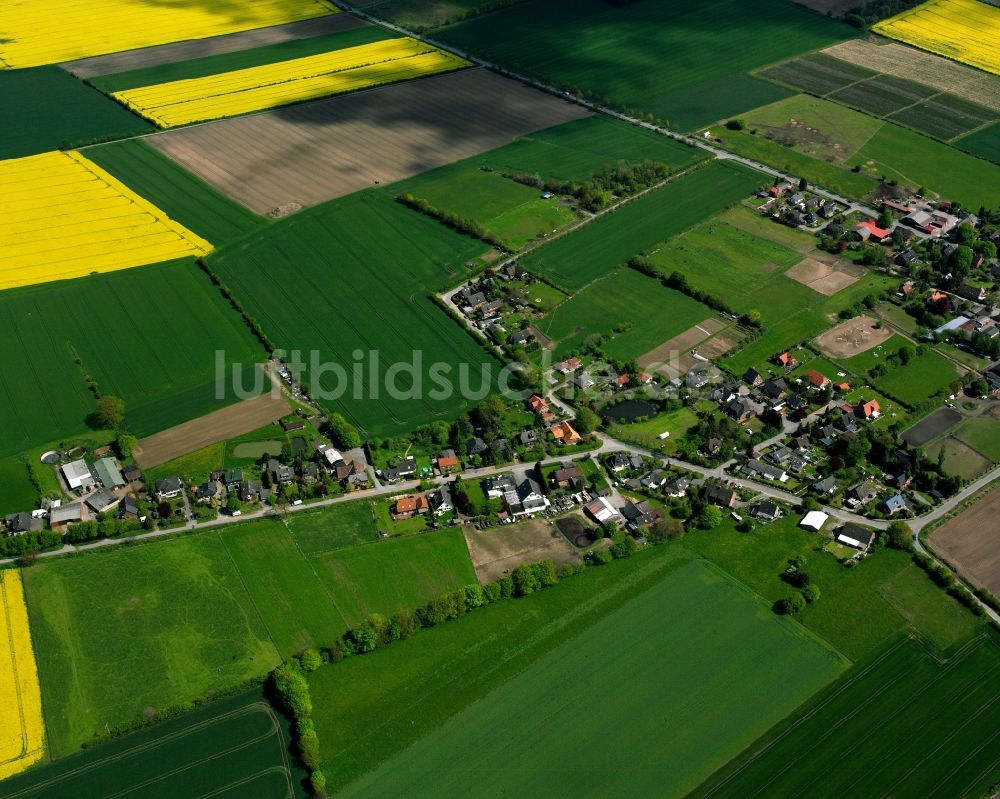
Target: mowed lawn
(576,259)
(132,628)
(294,605)
(394,575)
(901,723)
(682,63)
(983,435)
(16,491)
(923,377)
(147,335)
(577,150)
(338,526)
(644,311)
(46,108)
(355,276)
(180,194)
(659,650)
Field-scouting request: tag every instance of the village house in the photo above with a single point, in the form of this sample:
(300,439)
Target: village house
(526,499)
(640,514)
(409,506)
(786,361)
(441,501)
(568,477)
(828,485)
(767,511)
(754,468)
(568,366)
(279,473)
(169,488)
(870,410)
(752,377)
(860,494)
(678,487)
(894,504)
(446,461)
(23,522)
(602,511)
(65,514)
(723,497)
(816,379)
(653,480)
(564,433)
(852,535)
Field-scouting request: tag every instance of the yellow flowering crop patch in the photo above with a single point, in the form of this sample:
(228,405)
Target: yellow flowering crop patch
(65,217)
(257,88)
(34,32)
(22,730)
(963,30)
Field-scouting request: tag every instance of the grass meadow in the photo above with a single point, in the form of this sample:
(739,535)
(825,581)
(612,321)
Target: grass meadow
(338,526)
(355,275)
(900,722)
(923,377)
(575,260)
(393,575)
(651,57)
(984,143)
(180,194)
(46,108)
(16,491)
(570,697)
(650,312)
(982,435)
(139,333)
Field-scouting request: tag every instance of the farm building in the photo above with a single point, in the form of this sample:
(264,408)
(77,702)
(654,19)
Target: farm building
(107,473)
(78,476)
(602,511)
(814,520)
(65,514)
(853,536)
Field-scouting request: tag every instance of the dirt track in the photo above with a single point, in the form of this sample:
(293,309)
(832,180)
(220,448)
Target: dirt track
(971,541)
(328,148)
(218,426)
(198,48)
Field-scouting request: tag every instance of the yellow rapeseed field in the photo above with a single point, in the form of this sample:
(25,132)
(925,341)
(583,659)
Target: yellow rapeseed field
(256,88)
(65,217)
(22,729)
(34,32)
(963,30)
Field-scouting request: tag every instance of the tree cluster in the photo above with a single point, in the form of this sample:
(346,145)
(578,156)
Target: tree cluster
(290,689)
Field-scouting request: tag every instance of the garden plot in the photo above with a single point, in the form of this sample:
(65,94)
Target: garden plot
(826,278)
(309,153)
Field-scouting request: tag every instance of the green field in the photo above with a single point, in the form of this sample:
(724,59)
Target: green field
(355,275)
(575,260)
(923,377)
(608,678)
(651,312)
(744,271)
(119,631)
(830,176)
(398,574)
(651,57)
(959,459)
(293,603)
(901,723)
(983,435)
(174,190)
(916,160)
(241,59)
(16,491)
(338,526)
(511,211)
(861,363)
(647,433)
(234,747)
(576,150)
(194,467)
(147,335)
(984,143)
(46,108)
(423,14)
(857,611)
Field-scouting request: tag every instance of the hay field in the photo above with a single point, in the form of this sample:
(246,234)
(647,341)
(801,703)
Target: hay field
(22,728)
(309,153)
(33,33)
(270,85)
(963,30)
(66,217)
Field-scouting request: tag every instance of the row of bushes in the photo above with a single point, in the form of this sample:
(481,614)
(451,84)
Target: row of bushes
(462,224)
(290,689)
(107,528)
(945,578)
(254,325)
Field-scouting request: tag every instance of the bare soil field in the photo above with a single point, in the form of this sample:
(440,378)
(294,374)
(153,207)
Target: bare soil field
(500,550)
(971,542)
(931,427)
(681,343)
(823,277)
(320,150)
(852,337)
(930,70)
(717,346)
(218,426)
(199,48)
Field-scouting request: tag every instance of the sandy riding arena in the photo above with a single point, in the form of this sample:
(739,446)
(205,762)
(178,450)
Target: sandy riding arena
(853,337)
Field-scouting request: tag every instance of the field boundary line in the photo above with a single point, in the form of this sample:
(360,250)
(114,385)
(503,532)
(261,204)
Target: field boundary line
(312,567)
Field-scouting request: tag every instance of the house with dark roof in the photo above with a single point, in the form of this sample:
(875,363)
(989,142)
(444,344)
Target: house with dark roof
(854,536)
(861,493)
(499,485)
(677,487)
(280,473)
(476,446)
(894,504)
(767,511)
(828,485)
(640,514)
(723,497)
(169,487)
(23,522)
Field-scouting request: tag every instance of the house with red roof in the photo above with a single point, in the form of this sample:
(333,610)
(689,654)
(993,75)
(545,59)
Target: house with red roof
(868,410)
(869,231)
(817,380)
